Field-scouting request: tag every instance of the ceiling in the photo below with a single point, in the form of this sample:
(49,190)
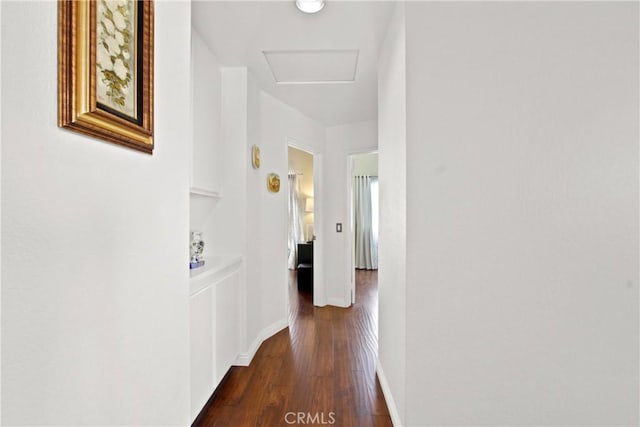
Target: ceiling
(239,32)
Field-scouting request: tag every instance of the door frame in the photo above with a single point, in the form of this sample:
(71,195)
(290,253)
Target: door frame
(319,292)
(350,248)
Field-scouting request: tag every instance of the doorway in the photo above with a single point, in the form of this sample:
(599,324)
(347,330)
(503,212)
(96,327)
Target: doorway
(362,173)
(304,250)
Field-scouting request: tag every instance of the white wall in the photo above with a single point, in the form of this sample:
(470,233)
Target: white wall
(522,201)
(207,155)
(228,217)
(249,219)
(365,165)
(0,212)
(278,122)
(95,286)
(206,162)
(392,269)
(342,141)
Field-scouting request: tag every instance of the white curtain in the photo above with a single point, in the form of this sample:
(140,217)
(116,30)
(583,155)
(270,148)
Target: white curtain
(295,220)
(365,192)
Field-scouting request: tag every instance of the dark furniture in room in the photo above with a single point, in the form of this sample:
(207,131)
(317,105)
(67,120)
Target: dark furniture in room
(305,267)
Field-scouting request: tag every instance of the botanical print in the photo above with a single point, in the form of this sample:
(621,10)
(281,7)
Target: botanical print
(115,55)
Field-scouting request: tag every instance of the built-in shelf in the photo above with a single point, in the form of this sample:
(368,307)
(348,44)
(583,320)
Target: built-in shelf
(214,268)
(205,193)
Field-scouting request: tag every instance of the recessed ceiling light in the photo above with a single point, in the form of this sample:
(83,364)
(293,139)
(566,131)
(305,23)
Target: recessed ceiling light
(310,6)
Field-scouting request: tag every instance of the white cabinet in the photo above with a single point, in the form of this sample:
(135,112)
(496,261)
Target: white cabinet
(202,329)
(215,325)
(227,321)
(206,144)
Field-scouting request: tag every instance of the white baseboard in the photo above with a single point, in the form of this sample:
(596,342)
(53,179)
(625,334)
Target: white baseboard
(338,302)
(391,404)
(319,302)
(244,359)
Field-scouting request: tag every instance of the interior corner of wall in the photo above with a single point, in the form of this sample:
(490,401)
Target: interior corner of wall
(394,411)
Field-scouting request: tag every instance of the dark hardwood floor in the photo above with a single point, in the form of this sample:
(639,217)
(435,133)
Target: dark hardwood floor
(318,371)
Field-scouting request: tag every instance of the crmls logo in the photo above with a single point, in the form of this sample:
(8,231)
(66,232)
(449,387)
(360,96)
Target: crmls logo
(309,418)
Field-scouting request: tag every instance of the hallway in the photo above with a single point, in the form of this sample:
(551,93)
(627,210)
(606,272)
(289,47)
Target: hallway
(319,371)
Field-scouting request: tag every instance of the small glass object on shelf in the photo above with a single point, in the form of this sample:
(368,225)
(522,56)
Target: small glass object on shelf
(196,249)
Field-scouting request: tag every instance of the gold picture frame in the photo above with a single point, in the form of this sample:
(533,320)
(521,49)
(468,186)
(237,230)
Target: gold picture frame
(105,70)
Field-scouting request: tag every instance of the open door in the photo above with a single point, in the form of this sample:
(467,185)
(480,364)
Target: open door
(362,177)
(306,165)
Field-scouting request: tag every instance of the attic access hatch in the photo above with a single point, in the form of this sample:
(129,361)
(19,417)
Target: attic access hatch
(313,66)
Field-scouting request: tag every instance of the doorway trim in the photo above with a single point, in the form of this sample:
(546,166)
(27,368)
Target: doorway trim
(350,249)
(319,292)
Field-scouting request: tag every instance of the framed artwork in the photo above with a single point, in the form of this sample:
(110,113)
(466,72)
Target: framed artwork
(105,70)
(255,157)
(273,182)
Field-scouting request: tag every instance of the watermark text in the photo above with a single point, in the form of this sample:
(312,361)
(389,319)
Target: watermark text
(303,418)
